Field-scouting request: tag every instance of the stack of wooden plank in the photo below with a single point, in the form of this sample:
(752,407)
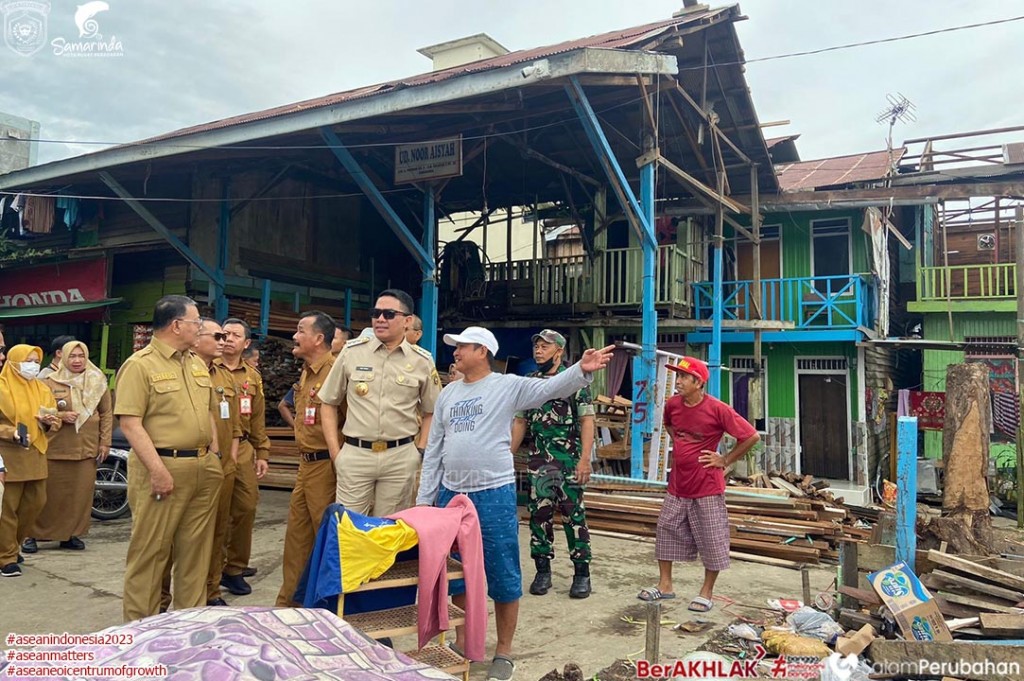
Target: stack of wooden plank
(766,525)
(284,459)
(989,590)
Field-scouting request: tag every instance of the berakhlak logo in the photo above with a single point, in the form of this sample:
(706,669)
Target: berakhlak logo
(841,668)
(25,25)
(87,26)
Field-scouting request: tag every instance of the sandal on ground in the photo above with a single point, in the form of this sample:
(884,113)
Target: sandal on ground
(653,593)
(455,649)
(701,604)
(502,669)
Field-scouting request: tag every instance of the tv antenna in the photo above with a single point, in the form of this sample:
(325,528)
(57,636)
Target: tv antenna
(900,110)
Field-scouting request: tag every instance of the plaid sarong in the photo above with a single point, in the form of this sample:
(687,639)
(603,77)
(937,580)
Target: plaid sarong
(688,527)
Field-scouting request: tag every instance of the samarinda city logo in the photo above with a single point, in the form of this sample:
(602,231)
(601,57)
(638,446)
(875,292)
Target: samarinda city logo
(25,30)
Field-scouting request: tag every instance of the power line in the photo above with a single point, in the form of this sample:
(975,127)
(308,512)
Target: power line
(879,41)
(788,55)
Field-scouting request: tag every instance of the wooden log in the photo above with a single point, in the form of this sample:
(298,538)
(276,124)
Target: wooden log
(766,560)
(965,523)
(862,596)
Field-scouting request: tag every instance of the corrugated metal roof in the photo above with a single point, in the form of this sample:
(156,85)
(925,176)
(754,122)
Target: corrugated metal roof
(838,170)
(772,141)
(621,39)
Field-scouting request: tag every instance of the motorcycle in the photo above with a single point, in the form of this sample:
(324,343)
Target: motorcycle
(110,496)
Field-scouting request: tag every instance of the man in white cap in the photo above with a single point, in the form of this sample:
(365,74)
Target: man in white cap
(468,452)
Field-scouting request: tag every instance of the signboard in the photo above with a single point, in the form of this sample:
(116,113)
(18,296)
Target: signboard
(428,160)
(66,283)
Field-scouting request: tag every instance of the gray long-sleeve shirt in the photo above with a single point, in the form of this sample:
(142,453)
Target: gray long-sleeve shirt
(471,434)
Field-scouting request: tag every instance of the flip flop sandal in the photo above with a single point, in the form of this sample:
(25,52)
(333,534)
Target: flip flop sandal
(653,593)
(502,669)
(701,604)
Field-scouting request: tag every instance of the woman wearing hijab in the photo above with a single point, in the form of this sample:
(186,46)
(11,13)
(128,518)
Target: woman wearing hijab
(84,407)
(27,413)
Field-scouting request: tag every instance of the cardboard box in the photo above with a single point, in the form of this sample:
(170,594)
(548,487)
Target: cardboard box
(915,610)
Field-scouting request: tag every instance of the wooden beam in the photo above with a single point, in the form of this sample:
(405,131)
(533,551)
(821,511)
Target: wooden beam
(957,563)
(707,191)
(1009,188)
(1000,624)
(984,661)
(651,120)
(977,585)
(527,152)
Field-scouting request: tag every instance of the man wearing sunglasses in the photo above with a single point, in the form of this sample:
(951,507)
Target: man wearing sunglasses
(386,383)
(164,401)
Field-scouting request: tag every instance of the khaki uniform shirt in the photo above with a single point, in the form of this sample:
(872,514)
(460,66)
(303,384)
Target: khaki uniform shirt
(385,391)
(249,383)
(69,445)
(23,464)
(171,391)
(311,437)
(224,393)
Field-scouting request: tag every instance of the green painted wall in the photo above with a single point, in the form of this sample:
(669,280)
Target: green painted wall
(136,308)
(796,239)
(936,327)
(781,358)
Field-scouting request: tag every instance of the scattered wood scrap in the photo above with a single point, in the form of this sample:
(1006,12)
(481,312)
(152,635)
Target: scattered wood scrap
(789,522)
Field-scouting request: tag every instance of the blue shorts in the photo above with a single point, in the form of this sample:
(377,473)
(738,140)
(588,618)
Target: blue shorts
(499,528)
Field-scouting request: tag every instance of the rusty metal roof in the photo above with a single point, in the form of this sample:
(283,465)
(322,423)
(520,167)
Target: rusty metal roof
(621,39)
(838,170)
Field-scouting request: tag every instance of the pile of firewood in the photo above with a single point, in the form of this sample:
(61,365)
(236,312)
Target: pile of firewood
(280,371)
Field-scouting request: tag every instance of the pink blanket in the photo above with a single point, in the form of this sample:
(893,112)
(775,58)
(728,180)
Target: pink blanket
(438,529)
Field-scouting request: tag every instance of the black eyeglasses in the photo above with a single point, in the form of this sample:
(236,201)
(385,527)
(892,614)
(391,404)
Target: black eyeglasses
(388,314)
(219,335)
(3,349)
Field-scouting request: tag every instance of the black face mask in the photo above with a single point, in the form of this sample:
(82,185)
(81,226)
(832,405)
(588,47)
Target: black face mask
(546,366)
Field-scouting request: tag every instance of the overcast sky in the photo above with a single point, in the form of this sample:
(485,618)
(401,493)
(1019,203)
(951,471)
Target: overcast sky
(188,62)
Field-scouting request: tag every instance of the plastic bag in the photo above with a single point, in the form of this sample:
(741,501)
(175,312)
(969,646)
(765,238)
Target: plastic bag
(849,668)
(744,631)
(810,622)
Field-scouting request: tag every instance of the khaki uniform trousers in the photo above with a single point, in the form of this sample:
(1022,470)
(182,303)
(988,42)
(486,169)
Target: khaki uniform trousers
(377,483)
(220,530)
(22,504)
(313,493)
(244,498)
(181,524)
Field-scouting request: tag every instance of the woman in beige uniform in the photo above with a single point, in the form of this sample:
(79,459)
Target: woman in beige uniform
(83,405)
(27,413)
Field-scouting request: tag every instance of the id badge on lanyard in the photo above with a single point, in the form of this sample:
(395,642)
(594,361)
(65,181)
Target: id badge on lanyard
(310,418)
(225,410)
(245,405)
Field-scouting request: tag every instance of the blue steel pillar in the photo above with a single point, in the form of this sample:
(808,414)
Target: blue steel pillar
(906,493)
(428,301)
(645,373)
(348,308)
(220,303)
(642,218)
(265,309)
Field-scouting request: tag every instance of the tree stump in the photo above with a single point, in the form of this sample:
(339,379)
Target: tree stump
(965,523)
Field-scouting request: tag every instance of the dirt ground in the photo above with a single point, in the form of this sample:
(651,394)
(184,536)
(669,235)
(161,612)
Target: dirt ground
(81,592)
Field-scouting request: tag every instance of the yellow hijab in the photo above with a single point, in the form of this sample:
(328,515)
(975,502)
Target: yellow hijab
(20,400)
(87,388)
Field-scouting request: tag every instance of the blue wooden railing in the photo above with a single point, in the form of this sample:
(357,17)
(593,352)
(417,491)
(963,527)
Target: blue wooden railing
(840,302)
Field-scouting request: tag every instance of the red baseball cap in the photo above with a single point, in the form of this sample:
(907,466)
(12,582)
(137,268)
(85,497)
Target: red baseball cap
(692,366)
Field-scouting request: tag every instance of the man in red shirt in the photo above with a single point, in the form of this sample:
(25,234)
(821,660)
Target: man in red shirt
(693,517)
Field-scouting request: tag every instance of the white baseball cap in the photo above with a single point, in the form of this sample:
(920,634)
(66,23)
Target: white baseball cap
(474,334)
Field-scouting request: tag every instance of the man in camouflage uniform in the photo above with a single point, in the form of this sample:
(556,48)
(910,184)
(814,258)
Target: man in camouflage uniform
(563,437)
